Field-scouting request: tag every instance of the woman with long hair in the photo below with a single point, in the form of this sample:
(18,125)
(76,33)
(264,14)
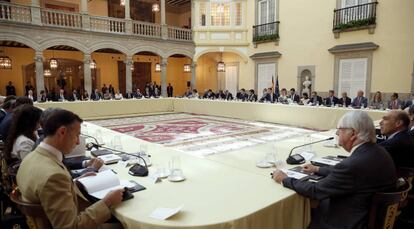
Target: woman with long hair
(22,133)
(376,102)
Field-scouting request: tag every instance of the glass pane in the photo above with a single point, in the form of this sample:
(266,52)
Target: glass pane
(202,13)
(238,13)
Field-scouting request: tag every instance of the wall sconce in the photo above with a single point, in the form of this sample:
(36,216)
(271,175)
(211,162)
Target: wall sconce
(157,67)
(221,67)
(93,65)
(187,68)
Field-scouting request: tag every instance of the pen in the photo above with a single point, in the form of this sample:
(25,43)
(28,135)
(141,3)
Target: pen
(114,171)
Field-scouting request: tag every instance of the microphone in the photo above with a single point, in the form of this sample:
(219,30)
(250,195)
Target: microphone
(96,144)
(297,158)
(135,170)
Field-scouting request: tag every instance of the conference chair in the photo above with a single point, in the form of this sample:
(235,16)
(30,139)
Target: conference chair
(35,216)
(385,207)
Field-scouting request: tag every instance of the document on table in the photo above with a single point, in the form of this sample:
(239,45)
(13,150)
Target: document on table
(165,213)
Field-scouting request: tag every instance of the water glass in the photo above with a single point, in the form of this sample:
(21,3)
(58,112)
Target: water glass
(116,143)
(98,136)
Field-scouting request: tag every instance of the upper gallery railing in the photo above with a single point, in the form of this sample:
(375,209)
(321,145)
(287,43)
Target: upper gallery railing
(266,32)
(72,20)
(13,12)
(355,16)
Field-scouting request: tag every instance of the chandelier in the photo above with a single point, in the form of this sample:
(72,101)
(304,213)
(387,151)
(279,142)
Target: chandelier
(157,67)
(93,64)
(155,7)
(53,63)
(5,61)
(47,73)
(122,2)
(187,68)
(221,66)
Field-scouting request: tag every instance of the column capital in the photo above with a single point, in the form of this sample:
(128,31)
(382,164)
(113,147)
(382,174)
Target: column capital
(38,56)
(193,64)
(164,62)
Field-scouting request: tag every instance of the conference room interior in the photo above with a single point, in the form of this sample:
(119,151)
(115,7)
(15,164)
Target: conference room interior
(207,114)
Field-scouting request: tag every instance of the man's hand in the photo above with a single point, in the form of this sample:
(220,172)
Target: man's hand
(310,168)
(114,197)
(96,163)
(278,176)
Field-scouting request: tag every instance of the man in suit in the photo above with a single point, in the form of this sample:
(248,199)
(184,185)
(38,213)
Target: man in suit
(10,89)
(346,192)
(43,179)
(331,100)
(411,114)
(409,102)
(293,96)
(61,97)
(395,103)
(344,101)
(31,96)
(170,90)
(128,95)
(96,95)
(360,100)
(394,125)
(228,95)
(252,97)
(241,95)
(74,96)
(266,97)
(315,99)
(7,106)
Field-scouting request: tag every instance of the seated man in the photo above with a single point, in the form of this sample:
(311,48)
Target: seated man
(266,97)
(395,102)
(293,96)
(346,192)
(394,125)
(360,100)
(315,99)
(411,114)
(410,102)
(43,179)
(344,101)
(331,100)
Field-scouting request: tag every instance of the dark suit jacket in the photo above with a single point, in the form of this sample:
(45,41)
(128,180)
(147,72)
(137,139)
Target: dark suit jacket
(295,98)
(97,96)
(229,96)
(364,101)
(408,103)
(266,98)
(72,97)
(170,91)
(411,133)
(252,98)
(347,101)
(345,193)
(314,100)
(331,103)
(401,149)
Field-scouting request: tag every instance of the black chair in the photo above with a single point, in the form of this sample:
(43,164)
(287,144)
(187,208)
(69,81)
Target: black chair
(385,207)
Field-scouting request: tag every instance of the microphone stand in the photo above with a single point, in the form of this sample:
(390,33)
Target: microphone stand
(299,159)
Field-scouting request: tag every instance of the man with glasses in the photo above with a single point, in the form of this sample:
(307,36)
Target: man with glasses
(346,192)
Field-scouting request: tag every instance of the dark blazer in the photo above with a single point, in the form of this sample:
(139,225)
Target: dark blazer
(252,98)
(314,100)
(364,101)
(345,193)
(129,95)
(347,101)
(73,98)
(401,149)
(266,98)
(408,103)
(229,96)
(96,96)
(170,91)
(295,98)
(411,133)
(331,101)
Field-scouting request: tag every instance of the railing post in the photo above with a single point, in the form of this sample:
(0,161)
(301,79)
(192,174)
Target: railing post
(164,27)
(86,20)
(164,32)
(40,79)
(128,26)
(35,12)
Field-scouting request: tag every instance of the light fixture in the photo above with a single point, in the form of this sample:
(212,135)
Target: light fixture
(221,67)
(132,66)
(157,67)
(187,68)
(155,7)
(69,70)
(122,2)
(93,64)
(53,63)
(47,73)
(5,62)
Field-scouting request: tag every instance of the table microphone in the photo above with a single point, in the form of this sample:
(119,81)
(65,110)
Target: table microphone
(299,159)
(135,170)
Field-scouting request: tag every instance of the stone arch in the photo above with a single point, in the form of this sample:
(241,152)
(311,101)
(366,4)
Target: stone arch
(109,45)
(148,48)
(62,41)
(186,53)
(231,50)
(21,39)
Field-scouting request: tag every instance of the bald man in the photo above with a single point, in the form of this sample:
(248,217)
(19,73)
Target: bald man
(399,143)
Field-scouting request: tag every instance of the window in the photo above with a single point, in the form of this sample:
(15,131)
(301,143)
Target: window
(220,14)
(238,13)
(203,14)
(355,13)
(266,11)
(352,75)
(349,3)
(265,77)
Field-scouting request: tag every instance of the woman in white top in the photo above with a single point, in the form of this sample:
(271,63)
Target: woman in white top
(22,133)
(118,96)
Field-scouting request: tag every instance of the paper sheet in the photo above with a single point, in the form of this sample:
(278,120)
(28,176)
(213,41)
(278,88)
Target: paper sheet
(165,213)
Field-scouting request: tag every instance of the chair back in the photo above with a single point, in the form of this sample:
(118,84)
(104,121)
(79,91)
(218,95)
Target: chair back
(35,215)
(384,207)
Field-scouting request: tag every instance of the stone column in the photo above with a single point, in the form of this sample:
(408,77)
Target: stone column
(127,10)
(87,79)
(40,78)
(128,21)
(86,21)
(163,64)
(164,28)
(128,78)
(193,75)
(35,13)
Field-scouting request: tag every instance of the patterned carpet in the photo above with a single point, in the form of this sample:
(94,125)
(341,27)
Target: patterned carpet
(199,134)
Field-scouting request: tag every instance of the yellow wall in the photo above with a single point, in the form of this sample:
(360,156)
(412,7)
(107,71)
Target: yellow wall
(98,7)
(207,72)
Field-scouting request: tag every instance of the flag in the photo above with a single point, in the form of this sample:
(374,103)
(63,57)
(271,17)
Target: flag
(273,83)
(276,90)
